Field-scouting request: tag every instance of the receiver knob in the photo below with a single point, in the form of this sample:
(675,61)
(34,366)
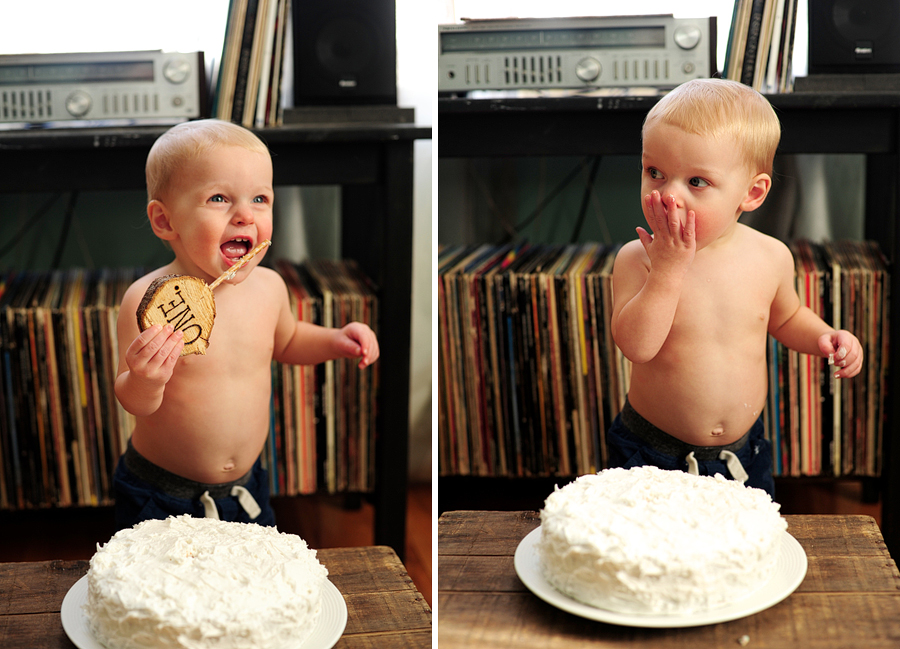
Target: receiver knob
(687,37)
(176,70)
(78,103)
(588,69)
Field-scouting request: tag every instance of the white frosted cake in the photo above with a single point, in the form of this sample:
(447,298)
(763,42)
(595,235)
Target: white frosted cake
(648,541)
(198,583)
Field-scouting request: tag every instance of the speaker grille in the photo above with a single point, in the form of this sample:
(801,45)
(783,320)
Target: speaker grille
(854,36)
(862,19)
(344,52)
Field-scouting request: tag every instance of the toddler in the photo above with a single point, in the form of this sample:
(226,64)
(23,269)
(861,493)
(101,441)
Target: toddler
(695,300)
(201,421)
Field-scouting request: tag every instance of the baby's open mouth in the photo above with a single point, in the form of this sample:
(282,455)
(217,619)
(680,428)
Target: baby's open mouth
(236,248)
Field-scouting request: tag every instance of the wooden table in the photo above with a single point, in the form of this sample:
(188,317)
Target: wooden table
(849,598)
(384,609)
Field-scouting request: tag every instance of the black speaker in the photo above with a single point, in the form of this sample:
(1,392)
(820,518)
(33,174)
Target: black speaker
(345,52)
(854,36)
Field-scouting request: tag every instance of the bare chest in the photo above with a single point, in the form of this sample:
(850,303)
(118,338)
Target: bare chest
(240,343)
(716,302)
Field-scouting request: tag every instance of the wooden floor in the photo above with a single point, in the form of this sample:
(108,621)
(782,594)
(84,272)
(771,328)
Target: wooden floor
(324,522)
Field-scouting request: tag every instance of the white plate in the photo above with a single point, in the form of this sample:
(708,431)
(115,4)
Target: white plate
(328,629)
(790,569)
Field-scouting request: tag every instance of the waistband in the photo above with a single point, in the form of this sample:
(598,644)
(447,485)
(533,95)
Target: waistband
(665,443)
(174,484)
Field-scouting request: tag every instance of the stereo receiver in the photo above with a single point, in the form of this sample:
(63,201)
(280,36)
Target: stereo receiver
(139,86)
(658,51)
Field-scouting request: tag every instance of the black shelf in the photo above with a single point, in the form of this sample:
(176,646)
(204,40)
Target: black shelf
(865,123)
(373,164)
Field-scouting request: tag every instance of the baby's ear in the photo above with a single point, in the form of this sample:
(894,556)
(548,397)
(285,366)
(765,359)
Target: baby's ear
(759,189)
(159,220)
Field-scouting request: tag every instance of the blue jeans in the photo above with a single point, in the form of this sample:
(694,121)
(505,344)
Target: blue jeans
(640,443)
(145,491)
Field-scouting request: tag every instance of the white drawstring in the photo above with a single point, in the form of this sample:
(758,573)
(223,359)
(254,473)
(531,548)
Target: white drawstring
(734,465)
(731,461)
(209,506)
(247,501)
(245,498)
(693,467)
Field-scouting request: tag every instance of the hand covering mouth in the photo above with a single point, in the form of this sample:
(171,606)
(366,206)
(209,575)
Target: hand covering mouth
(236,248)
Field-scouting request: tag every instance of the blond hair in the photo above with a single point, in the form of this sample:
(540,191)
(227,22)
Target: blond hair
(722,108)
(187,141)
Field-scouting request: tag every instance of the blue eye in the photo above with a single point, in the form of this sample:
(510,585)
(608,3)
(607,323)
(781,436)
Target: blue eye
(654,173)
(698,182)
(218,198)
(261,199)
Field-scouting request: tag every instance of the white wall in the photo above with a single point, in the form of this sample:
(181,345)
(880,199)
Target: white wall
(417,87)
(113,25)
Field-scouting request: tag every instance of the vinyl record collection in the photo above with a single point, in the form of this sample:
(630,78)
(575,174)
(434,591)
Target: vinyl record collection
(62,429)
(819,425)
(323,416)
(248,86)
(761,44)
(529,375)
(530,379)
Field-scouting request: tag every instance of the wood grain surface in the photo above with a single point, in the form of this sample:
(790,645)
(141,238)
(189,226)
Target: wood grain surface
(849,598)
(384,609)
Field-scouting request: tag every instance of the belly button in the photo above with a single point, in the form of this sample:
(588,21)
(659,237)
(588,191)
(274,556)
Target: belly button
(718,430)
(229,466)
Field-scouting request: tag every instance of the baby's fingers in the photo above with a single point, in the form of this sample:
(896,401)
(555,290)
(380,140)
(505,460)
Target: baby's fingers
(155,346)
(367,342)
(370,351)
(645,237)
(850,370)
(848,366)
(656,213)
(689,231)
(673,223)
(847,356)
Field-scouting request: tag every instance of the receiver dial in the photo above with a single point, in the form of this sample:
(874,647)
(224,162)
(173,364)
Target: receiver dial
(687,37)
(588,69)
(78,103)
(177,70)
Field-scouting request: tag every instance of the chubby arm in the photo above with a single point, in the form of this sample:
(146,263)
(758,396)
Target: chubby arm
(647,280)
(799,328)
(304,343)
(148,361)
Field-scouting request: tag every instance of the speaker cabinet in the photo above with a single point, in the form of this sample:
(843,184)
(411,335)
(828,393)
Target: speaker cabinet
(854,36)
(345,52)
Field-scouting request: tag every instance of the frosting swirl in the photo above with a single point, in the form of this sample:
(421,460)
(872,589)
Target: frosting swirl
(195,583)
(644,540)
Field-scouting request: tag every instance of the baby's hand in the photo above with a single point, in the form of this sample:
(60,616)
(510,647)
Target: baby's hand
(358,340)
(848,354)
(672,245)
(152,355)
